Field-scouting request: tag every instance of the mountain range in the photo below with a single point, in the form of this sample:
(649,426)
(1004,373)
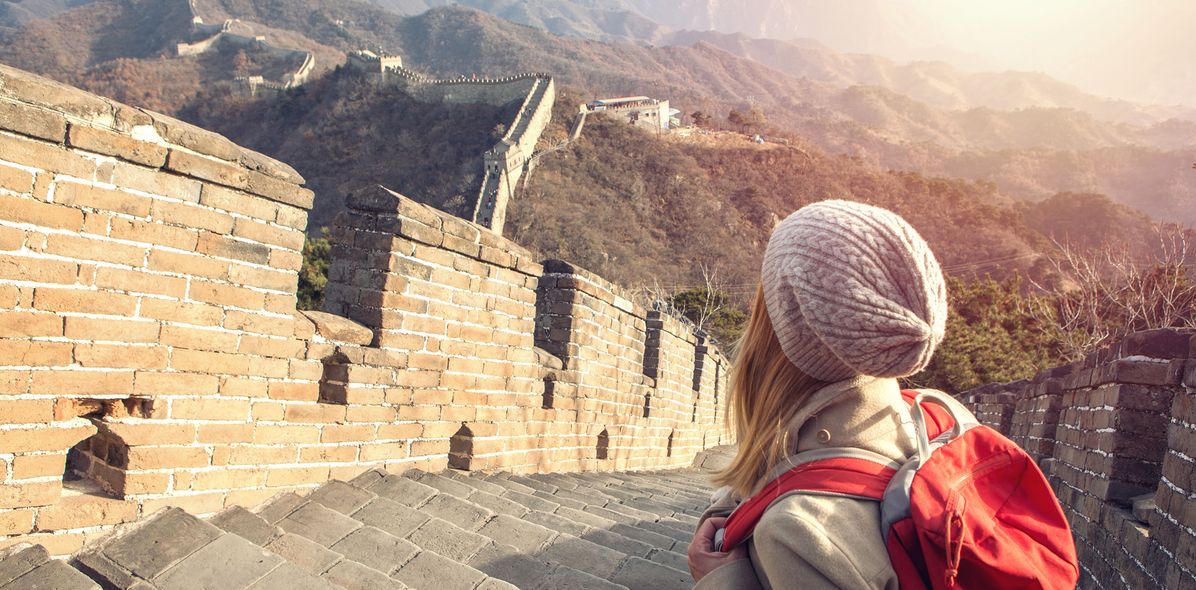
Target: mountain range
(1022,136)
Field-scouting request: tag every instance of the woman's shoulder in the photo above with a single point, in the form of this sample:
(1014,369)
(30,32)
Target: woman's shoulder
(822,512)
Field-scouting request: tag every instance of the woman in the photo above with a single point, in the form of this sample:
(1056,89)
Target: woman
(851,299)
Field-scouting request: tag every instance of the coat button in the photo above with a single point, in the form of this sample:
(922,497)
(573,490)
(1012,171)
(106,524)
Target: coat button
(824,436)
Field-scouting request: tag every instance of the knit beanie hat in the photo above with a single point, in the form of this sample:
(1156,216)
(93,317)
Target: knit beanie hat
(852,289)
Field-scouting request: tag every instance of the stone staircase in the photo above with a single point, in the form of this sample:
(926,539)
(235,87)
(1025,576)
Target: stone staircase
(440,531)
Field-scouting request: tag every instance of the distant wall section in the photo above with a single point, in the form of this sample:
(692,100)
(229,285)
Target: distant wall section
(505,163)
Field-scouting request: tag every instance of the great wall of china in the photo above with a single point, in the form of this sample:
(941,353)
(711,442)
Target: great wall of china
(208,36)
(505,163)
(153,355)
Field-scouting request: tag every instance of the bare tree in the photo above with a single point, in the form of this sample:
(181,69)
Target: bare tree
(699,303)
(713,299)
(1101,295)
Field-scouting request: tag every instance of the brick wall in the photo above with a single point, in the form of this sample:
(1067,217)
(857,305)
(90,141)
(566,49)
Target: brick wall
(1114,434)
(151,353)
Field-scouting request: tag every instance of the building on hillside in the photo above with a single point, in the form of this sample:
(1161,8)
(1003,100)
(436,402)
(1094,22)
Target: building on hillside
(638,110)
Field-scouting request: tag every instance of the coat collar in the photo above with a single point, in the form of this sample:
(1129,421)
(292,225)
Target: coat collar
(862,412)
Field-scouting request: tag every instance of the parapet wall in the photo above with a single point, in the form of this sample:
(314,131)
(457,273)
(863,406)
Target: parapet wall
(1116,435)
(152,353)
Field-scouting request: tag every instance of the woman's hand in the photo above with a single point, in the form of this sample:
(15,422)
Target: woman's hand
(703,558)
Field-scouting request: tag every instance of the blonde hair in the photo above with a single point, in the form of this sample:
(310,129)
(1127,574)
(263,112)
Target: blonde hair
(766,392)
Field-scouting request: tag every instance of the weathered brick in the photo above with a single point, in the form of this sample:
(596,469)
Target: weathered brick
(16,522)
(84,248)
(35,353)
(134,281)
(21,440)
(51,215)
(156,182)
(38,270)
(126,330)
(235,201)
(192,216)
(26,411)
(199,338)
(315,413)
(225,433)
(83,195)
(37,154)
(268,234)
(293,217)
(187,263)
(280,190)
(225,247)
(210,409)
(185,313)
(207,168)
(154,233)
(82,382)
(262,278)
(224,479)
(85,510)
(29,120)
(217,363)
(289,476)
(84,301)
(16,180)
(167,457)
(114,144)
(24,495)
(23,324)
(269,434)
(296,391)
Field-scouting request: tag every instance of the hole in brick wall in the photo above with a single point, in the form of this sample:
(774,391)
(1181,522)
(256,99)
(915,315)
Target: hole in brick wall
(669,449)
(647,405)
(603,445)
(549,393)
(96,465)
(694,416)
(461,448)
(334,380)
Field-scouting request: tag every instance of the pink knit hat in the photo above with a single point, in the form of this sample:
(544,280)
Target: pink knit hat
(852,289)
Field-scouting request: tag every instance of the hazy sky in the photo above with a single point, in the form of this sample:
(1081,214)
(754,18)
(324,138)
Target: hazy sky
(1141,49)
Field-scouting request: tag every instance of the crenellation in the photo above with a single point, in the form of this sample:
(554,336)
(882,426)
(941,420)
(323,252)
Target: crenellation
(153,354)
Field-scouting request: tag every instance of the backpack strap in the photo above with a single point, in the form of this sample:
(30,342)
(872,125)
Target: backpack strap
(847,475)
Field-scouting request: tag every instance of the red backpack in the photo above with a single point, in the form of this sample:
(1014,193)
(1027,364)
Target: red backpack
(970,510)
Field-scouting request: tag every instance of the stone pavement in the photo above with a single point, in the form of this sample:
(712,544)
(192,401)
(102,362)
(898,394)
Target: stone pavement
(380,531)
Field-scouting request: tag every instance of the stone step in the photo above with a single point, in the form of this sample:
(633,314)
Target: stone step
(25,566)
(246,524)
(173,550)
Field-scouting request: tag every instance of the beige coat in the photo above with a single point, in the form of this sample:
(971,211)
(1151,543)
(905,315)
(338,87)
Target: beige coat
(807,541)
